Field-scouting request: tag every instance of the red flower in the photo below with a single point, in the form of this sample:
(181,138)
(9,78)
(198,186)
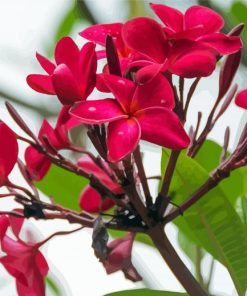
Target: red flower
(8,152)
(119,257)
(90,200)
(197,23)
(73,77)
(139,112)
(37,163)
(186,57)
(22,260)
(241,99)
(98,33)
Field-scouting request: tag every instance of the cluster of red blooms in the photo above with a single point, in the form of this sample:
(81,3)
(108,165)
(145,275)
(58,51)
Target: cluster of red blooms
(149,53)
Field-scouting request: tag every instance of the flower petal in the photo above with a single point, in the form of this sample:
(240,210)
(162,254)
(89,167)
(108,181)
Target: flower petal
(161,126)
(147,37)
(191,59)
(65,85)
(8,151)
(222,43)
(67,52)
(92,202)
(41,263)
(171,17)
(87,69)
(41,83)
(157,92)
(37,164)
(122,89)
(199,15)
(46,64)
(98,111)
(90,167)
(4,224)
(241,99)
(148,72)
(16,224)
(122,138)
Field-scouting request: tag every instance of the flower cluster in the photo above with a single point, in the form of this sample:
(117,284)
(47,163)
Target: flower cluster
(139,101)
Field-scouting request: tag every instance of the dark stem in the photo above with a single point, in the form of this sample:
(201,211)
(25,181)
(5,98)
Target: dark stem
(162,199)
(142,176)
(174,262)
(190,94)
(197,195)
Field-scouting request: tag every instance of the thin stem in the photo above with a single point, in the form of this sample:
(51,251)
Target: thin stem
(181,90)
(199,276)
(162,199)
(58,233)
(25,190)
(211,272)
(142,175)
(190,94)
(174,262)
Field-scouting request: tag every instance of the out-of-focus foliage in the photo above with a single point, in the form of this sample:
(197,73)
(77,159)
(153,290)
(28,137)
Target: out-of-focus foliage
(55,185)
(213,222)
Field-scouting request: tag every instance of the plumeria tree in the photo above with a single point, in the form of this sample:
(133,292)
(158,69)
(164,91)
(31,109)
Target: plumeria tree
(146,65)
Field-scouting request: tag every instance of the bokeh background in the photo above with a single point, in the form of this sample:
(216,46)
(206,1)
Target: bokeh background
(27,26)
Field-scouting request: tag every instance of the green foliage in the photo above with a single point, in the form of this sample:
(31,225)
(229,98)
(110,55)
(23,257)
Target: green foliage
(145,292)
(189,247)
(140,237)
(208,157)
(53,286)
(211,223)
(63,186)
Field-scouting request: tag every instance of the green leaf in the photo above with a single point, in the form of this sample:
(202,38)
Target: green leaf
(208,157)
(140,237)
(212,220)
(63,186)
(189,247)
(146,292)
(53,286)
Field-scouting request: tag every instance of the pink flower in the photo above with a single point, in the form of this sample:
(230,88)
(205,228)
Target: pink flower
(73,77)
(185,57)
(138,112)
(241,99)
(90,200)
(119,257)
(98,33)
(198,23)
(8,152)
(22,260)
(37,163)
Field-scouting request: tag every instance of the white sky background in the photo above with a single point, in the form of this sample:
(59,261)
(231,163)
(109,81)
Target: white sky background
(27,26)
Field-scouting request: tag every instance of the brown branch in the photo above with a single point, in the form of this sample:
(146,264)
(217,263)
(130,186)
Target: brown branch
(142,175)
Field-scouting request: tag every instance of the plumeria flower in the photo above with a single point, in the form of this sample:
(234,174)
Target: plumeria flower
(119,257)
(90,200)
(73,76)
(98,33)
(198,23)
(241,99)
(138,112)
(185,57)
(37,163)
(8,152)
(22,260)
